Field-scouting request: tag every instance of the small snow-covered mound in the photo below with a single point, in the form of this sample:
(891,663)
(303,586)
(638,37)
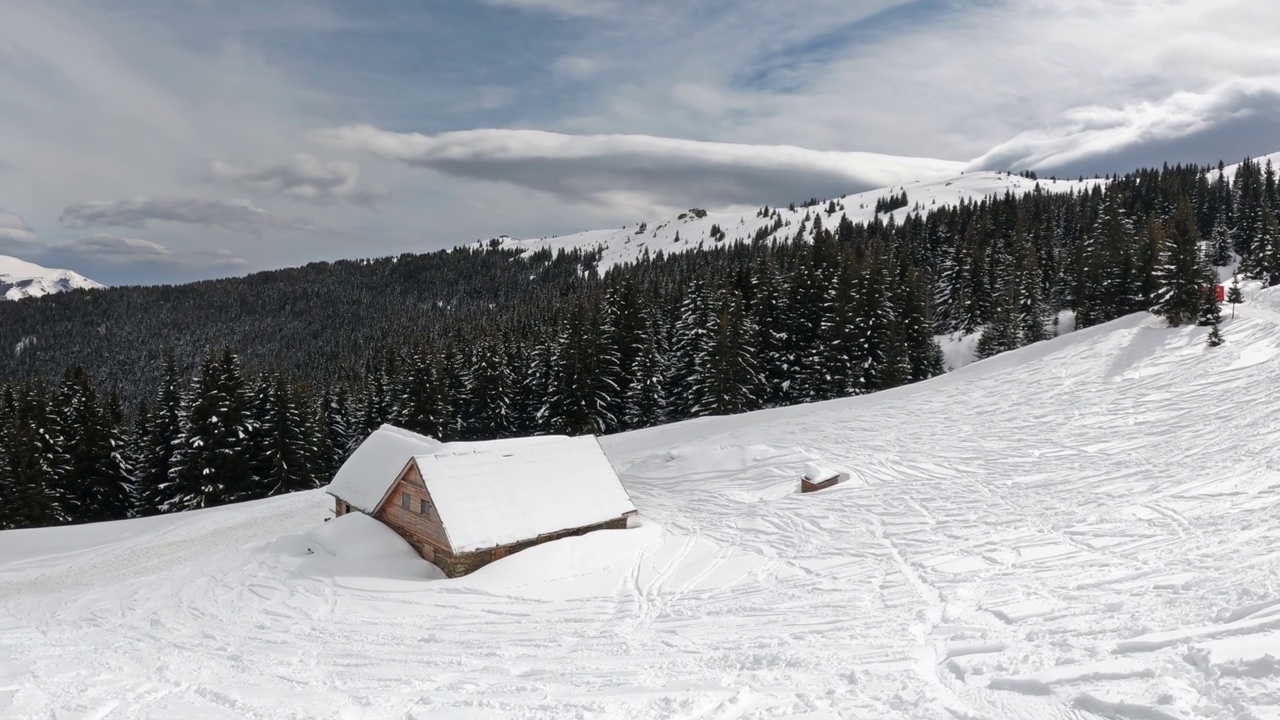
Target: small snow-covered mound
(357,549)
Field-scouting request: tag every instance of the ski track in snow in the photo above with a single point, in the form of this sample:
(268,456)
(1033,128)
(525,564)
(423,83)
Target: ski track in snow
(1086,528)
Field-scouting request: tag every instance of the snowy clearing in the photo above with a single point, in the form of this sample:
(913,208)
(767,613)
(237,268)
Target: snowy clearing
(1084,528)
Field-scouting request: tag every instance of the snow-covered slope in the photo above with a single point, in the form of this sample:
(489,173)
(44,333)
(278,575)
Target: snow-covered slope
(692,229)
(1084,528)
(21,279)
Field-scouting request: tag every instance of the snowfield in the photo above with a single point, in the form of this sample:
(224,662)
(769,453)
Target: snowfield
(1085,528)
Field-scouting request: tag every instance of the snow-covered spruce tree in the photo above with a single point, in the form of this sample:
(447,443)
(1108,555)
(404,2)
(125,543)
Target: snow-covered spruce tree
(1234,296)
(137,442)
(30,463)
(645,402)
(1215,333)
(1210,311)
(1002,333)
(1265,263)
(1220,240)
(286,453)
(972,297)
(337,438)
(583,372)
(922,350)
(1118,293)
(378,403)
(876,332)
(768,310)
(212,462)
(692,335)
(1250,201)
(728,379)
(154,458)
(98,483)
(1182,273)
(493,392)
(1033,307)
(833,357)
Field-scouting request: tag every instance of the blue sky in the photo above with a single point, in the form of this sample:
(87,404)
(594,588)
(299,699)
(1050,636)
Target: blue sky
(151,141)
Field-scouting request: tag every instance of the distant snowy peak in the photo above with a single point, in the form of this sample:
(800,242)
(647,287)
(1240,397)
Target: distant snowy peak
(696,228)
(20,279)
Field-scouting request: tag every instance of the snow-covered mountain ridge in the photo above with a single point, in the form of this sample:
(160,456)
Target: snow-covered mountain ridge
(694,228)
(21,279)
(1080,529)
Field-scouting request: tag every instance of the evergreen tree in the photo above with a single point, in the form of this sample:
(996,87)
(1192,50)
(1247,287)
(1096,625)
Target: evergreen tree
(1220,240)
(1234,296)
(423,398)
(286,453)
(692,336)
(1002,333)
(337,437)
(1182,273)
(646,401)
(1210,311)
(583,376)
(213,458)
(98,483)
(32,461)
(1033,308)
(922,350)
(769,311)
(153,464)
(727,379)
(1215,338)
(493,393)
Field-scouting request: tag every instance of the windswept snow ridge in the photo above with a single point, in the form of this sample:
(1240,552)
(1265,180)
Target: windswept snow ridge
(1084,528)
(20,279)
(692,229)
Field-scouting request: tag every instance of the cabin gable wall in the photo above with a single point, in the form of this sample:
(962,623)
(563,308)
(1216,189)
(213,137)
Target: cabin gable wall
(423,531)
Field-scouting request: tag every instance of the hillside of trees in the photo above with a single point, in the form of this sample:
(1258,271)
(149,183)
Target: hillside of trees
(133,401)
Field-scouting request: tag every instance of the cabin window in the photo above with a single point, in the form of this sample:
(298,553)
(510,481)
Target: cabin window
(405,500)
(425,508)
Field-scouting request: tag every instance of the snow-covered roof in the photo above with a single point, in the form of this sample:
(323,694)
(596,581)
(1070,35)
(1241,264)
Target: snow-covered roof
(817,474)
(500,492)
(366,476)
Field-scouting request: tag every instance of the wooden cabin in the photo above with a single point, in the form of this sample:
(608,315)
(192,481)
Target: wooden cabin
(819,478)
(463,505)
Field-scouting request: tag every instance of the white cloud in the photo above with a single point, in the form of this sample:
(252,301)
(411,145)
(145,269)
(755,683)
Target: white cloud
(14,233)
(638,171)
(1098,135)
(302,177)
(578,8)
(117,250)
(236,215)
(576,67)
